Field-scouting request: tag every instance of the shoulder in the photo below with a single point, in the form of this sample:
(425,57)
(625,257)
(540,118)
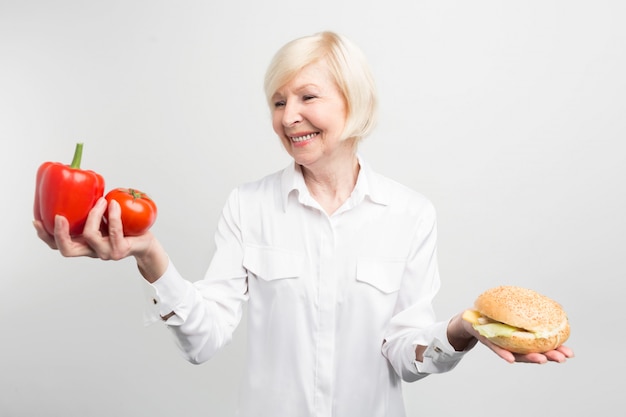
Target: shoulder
(399,196)
(260,191)
(269,181)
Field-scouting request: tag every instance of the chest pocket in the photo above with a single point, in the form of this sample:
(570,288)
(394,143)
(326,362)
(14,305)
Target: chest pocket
(383,274)
(272,264)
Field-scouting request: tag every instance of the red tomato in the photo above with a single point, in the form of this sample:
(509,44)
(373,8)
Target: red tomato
(139,212)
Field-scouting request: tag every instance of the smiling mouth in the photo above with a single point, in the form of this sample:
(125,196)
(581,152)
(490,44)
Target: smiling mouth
(303,138)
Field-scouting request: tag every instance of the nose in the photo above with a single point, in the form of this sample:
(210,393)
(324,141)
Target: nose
(291,113)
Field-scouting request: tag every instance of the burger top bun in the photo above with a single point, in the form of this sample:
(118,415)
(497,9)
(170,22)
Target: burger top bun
(521,307)
(519,319)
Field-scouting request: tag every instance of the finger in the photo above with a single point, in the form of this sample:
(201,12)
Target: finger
(115,215)
(64,242)
(555,356)
(118,243)
(569,353)
(92,232)
(538,358)
(94,219)
(116,228)
(43,234)
(560,354)
(62,233)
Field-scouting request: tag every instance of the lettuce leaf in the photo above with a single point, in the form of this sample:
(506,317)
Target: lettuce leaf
(495,330)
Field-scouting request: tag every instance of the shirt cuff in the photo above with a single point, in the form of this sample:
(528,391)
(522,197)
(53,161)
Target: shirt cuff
(164,296)
(439,355)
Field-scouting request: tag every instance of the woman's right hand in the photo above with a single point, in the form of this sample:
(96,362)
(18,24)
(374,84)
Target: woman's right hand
(95,242)
(107,243)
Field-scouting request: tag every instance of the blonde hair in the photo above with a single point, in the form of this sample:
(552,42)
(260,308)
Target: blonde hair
(347,66)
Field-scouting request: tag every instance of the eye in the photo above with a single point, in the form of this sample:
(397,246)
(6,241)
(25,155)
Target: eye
(308,97)
(280,103)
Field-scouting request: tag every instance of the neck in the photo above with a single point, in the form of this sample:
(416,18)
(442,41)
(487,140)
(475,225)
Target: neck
(332,184)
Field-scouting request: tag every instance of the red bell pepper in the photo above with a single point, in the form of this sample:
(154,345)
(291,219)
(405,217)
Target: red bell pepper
(66,190)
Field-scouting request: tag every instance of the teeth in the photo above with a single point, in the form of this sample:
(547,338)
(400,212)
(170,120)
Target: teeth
(302,138)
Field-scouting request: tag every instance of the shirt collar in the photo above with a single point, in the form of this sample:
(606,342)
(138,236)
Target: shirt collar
(367,185)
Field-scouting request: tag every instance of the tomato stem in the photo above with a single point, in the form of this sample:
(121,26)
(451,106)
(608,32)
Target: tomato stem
(78,155)
(135,193)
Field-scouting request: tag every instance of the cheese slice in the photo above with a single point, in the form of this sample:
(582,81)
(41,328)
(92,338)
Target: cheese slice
(488,328)
(471,316)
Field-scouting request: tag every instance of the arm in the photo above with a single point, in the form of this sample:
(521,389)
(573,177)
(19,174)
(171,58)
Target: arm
(201,316)
(416,344)
(207,311)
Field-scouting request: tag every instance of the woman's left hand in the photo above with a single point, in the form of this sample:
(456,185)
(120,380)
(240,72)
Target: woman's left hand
(560,354)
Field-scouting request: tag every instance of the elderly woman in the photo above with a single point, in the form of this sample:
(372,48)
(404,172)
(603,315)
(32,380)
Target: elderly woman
(337,264)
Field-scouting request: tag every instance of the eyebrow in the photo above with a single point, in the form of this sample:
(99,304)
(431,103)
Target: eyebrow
(305,86)
(299,89)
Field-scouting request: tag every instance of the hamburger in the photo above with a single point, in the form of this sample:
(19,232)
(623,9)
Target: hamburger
(519,320)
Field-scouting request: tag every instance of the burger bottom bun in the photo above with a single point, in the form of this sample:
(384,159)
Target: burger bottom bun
(525,342)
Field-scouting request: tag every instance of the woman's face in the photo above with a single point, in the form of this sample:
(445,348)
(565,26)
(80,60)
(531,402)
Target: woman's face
(309,115)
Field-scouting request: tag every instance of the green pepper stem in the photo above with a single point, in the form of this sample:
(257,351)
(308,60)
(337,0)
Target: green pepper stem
(78,155)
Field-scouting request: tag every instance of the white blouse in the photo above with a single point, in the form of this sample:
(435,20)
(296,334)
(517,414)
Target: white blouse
(335,304)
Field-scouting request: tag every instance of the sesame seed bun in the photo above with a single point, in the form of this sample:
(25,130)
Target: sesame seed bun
(541,323)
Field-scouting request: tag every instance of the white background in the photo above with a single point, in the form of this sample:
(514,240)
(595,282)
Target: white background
(509,116)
